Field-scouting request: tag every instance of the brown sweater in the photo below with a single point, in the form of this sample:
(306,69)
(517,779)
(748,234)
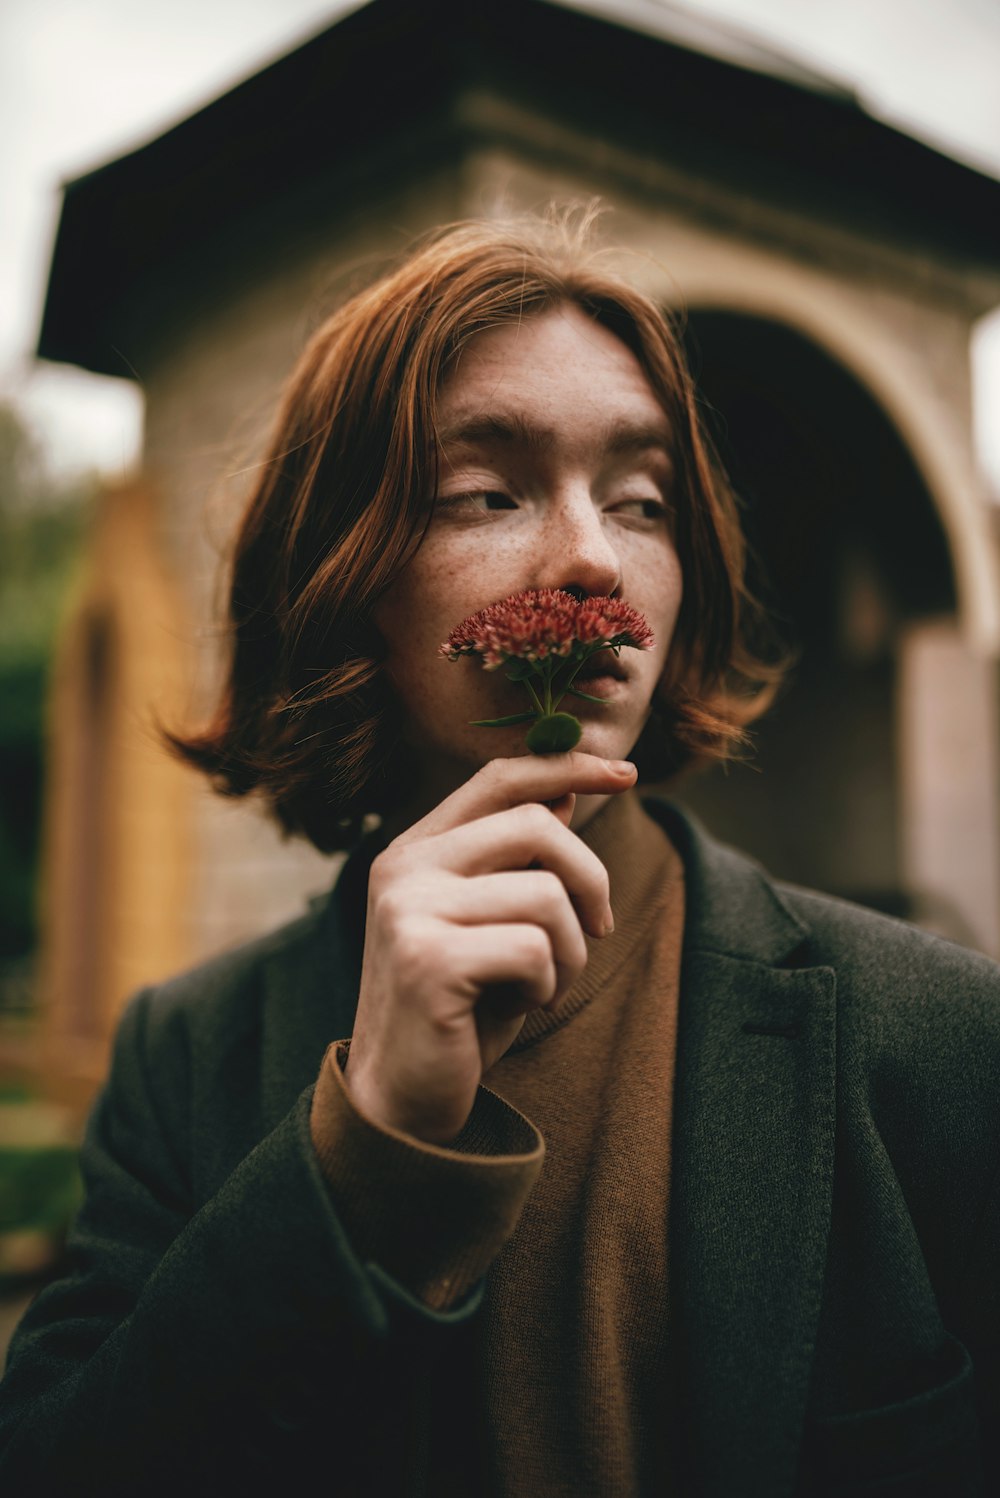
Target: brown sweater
(569,1381)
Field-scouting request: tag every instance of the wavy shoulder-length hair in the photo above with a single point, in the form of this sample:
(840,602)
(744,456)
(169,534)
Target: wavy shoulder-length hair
(343,498)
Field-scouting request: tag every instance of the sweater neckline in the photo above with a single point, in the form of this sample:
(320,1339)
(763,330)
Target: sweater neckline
(645,873)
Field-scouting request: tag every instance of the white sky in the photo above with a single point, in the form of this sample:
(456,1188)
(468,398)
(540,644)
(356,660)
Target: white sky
(82,81)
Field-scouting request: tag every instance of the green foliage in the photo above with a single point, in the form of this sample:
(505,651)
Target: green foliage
(42,524)
(39,1188)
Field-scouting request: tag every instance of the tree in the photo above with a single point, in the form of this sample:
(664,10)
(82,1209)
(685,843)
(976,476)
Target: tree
(42,524)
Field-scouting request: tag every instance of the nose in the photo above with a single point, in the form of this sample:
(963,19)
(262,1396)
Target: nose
(578,555)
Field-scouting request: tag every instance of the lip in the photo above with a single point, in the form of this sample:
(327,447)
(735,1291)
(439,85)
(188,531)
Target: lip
(606,685)
(612,667)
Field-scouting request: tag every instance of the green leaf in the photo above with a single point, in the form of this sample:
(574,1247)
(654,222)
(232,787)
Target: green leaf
(587,697)
(556,733)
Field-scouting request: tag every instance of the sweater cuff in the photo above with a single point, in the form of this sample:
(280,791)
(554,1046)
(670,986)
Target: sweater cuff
(432,1218)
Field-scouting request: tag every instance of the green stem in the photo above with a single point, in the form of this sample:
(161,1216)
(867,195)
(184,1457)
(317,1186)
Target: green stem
(576,670)
(534,697)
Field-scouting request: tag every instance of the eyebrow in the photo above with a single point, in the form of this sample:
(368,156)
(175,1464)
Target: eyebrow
(511,429)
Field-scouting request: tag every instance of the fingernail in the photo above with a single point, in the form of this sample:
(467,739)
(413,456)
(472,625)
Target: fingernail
(609,922)
(621,767)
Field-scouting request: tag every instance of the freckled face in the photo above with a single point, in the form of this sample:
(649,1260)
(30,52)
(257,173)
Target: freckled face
(554,472)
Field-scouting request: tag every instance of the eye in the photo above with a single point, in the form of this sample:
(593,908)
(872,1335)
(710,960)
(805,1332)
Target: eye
(643,509)
(478,500)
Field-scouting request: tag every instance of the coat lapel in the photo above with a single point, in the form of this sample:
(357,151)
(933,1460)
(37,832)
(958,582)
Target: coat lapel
(311,989)
(754,1119)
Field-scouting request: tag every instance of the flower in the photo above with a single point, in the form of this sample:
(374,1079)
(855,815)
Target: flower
(533,625)
(545,635)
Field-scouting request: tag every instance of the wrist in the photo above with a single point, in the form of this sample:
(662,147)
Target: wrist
(412,1118)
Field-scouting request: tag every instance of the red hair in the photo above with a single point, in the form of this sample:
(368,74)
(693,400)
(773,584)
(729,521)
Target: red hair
(307,717)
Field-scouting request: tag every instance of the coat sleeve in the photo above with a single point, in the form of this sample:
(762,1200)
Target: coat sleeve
(209,1347)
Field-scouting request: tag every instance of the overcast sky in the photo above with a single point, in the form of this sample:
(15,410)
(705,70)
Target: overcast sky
(82,81)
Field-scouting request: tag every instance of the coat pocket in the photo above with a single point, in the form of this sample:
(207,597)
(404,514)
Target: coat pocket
(923,1447)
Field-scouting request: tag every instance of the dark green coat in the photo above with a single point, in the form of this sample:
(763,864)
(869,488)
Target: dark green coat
(835,1233)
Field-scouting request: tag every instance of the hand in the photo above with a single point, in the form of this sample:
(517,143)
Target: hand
(476,915)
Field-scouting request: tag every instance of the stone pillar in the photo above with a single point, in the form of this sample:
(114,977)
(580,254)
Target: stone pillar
(948,755)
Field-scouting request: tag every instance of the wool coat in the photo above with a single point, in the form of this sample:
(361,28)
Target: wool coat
(835,1232)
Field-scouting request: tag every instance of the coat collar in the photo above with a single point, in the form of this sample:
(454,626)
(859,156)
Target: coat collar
(753,1153)
(733,906)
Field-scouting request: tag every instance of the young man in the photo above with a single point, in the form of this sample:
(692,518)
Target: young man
(638,1173)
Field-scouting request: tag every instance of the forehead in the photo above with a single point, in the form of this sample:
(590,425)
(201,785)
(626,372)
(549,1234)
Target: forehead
(558,372)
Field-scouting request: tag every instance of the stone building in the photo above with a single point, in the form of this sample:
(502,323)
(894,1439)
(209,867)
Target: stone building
(830,269)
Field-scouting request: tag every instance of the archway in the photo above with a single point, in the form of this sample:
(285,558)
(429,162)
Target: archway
(848,550)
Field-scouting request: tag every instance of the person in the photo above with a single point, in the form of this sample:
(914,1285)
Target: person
(560,1150)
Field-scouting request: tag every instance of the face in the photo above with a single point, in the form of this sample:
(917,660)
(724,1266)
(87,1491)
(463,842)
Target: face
(554,472)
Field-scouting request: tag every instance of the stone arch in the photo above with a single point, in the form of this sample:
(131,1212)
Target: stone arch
(860,559)
(936,432)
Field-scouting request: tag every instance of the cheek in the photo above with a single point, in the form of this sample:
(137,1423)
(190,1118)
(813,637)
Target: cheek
(445,583)
(675,589)
(414,619)
(663,592)
(672,612)
(410,611)
(661,586)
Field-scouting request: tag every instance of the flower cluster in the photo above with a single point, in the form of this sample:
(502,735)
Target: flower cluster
(543,637)
(543,622)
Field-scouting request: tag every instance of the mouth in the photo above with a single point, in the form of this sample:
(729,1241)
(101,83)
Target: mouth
(602,666)
(603,678)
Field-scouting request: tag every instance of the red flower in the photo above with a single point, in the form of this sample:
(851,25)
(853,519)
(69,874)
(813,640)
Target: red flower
(545,635)
(543,622)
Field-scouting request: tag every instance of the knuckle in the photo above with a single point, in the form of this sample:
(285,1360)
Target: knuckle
(384,868)
(388,903)
(413,948)
(549,893)
(537,819)
(535,947)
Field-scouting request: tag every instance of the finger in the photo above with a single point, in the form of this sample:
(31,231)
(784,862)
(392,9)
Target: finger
(522,838)
(563,807)
(505,783)
(531,895)
(517,953)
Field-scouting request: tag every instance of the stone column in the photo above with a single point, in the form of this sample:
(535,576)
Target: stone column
(949,769)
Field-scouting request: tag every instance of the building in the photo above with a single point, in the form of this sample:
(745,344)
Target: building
(830,269)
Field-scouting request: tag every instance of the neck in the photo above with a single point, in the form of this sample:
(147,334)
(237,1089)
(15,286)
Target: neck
(585,810)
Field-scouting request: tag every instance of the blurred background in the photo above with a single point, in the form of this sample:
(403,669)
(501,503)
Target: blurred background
(189,188)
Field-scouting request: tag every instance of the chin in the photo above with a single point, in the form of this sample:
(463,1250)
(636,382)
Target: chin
(606,741)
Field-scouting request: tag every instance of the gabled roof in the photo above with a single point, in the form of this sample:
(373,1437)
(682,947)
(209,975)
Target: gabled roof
(696,32)
(380,92)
